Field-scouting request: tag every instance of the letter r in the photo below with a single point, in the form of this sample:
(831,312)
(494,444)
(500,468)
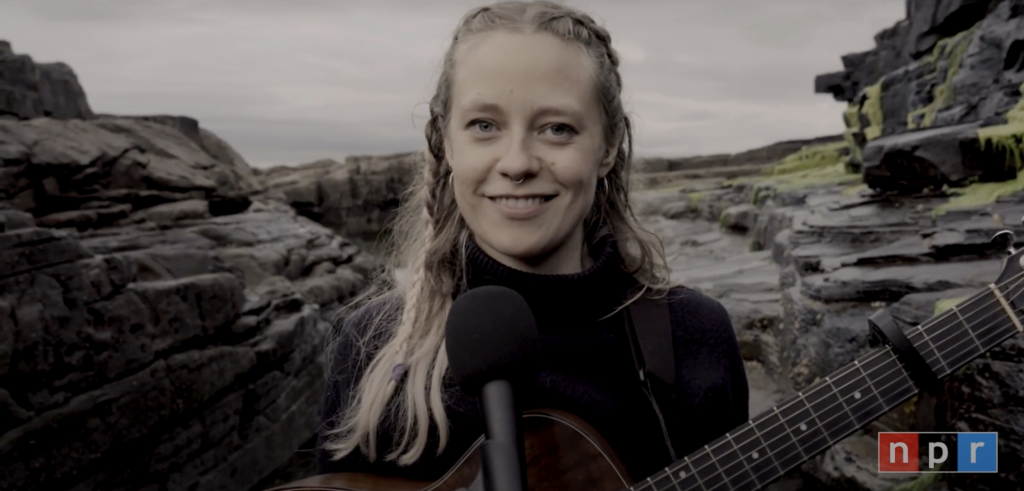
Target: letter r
(974,451)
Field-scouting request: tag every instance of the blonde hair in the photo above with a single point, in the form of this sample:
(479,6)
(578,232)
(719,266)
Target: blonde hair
(426,264)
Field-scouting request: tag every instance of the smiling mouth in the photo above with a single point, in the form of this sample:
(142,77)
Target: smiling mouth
(522,201)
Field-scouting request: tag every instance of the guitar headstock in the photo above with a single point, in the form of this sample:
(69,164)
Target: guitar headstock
(1010,279)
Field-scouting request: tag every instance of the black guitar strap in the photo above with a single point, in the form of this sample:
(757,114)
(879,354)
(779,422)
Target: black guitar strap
(649,330)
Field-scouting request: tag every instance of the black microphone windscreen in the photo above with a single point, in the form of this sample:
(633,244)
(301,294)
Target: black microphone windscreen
(490,335)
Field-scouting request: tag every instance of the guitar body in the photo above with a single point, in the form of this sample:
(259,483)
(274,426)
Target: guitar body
(563,453)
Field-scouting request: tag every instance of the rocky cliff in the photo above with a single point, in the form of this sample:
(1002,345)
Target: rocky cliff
(162,313)
(899,215)
(163,306)
(937,101)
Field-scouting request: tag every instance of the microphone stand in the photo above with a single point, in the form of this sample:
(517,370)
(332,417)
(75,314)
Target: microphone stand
(503,455)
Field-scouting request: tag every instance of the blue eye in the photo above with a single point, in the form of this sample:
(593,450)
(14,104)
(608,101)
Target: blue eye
(482,126)
(561,130)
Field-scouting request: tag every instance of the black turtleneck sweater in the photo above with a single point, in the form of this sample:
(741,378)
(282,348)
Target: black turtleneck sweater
(586,369)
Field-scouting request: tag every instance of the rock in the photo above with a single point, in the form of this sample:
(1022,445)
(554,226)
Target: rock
(165,214)
(739,218)
(761,156)
(34,90)
(931,20)
(162,315)
(911,162)
(14,219)
(853,464)
(355,198)
(220,205)
(865,68)
(988,396)
(161,326)
(85,219)
(28,249)
(57,166)
(968,76)
(835,83)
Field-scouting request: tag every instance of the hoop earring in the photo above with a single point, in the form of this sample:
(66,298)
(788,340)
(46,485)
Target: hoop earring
(604,181)
(451,179)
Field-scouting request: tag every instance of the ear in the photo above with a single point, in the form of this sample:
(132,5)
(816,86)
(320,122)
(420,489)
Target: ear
(608,162)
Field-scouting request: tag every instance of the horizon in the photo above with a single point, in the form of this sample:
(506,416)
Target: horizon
(337,80)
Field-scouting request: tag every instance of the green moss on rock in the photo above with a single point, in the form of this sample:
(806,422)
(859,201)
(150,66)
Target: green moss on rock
(950,50)
(813,165)
(810,157)
(1009,138)
(695,199)
(980,194)
(872,108)
(945,304)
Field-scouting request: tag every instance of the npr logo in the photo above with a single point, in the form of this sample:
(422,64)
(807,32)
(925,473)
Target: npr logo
(937,452)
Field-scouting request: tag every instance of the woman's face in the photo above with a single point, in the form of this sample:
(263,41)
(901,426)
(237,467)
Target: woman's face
(523,106)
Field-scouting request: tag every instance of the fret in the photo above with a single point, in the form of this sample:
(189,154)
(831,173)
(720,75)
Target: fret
(755,458)
(893,382)
(663,480)
(968,328)
(730,462)
(928,339)
(937,333)
(780,470)
(830,410)
(785,448)
(981,315)
(805,426)
(1006,307)
(685,477)
(867,404)
(802,426)
(706,470)
(720,453)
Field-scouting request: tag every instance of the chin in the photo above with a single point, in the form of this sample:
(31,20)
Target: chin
(517,246)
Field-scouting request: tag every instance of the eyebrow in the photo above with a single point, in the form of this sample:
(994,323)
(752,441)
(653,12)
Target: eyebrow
(556,110)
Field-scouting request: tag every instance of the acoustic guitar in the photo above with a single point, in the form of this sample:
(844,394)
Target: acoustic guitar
(563,453)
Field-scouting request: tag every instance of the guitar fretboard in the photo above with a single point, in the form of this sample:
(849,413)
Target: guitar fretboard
(806,424)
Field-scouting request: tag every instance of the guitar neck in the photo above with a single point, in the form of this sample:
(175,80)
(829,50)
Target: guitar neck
(821,415)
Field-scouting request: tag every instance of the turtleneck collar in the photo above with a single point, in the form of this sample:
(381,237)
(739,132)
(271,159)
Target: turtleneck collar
(561,302)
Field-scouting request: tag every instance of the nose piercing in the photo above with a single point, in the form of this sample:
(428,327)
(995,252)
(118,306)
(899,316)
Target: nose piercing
(520,181)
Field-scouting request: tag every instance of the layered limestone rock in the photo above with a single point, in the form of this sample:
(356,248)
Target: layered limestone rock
(356,198)
(32,90)
(162,315)
(950,63)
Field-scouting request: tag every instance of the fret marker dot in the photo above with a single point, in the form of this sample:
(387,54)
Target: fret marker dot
(856,395)
(682,474)
(803,427)
(754,455)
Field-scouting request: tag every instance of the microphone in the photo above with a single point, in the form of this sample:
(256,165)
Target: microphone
(492,343)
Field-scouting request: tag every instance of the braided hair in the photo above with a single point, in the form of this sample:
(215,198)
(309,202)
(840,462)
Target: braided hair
(402,383)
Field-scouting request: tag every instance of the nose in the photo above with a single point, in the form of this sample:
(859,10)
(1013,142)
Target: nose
(518,160)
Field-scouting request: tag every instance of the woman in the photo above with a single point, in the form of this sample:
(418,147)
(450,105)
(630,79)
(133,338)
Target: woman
(525,186)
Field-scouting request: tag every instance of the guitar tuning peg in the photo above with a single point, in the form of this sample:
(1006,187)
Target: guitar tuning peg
(1005,239)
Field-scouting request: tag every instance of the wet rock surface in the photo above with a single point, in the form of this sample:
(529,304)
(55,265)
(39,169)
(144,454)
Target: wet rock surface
(162,313)
(356,198)
(832,258)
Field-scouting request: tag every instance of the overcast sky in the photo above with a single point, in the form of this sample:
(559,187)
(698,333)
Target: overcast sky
(288,82)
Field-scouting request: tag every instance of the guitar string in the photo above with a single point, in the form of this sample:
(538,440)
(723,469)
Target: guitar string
(898,370)
(700,482)
(813,416)
(754,476)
